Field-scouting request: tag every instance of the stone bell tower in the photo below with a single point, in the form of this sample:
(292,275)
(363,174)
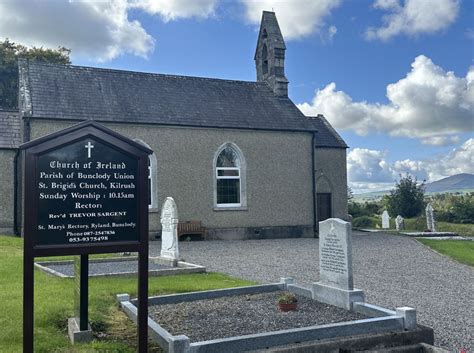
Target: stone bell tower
(270,55)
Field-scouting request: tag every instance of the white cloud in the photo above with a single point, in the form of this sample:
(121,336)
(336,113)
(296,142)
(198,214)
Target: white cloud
(98,30)
(429,103)
(458,160)
(369,170)
(440,140)
(297,18)
(171,10)
(366,165)
(414,17)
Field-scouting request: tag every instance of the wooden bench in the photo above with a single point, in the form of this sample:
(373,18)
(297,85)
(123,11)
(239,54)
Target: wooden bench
(190,228)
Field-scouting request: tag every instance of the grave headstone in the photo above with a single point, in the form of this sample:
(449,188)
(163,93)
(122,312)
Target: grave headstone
(335,265)
(399,223)
(385,220)
(430,220)
(169,230)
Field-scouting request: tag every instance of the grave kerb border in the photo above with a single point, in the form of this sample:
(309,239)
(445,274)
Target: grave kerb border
(381,320)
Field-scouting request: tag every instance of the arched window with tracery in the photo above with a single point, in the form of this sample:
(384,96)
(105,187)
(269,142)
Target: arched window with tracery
(229,172)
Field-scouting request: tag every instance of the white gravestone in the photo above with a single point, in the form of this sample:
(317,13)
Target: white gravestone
(385,220)
(399,223)
(169,229)
(430,220)
(335,265)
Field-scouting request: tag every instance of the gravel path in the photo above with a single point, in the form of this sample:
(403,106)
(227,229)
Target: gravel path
(392,270)
(243,315)
(98,268)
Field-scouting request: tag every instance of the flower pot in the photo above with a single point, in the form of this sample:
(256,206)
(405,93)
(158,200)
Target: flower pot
(287,307)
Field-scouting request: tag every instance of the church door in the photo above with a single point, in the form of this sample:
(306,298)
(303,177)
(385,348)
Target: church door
(324,206)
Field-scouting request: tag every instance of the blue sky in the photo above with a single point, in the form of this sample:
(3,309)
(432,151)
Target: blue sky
(394,77)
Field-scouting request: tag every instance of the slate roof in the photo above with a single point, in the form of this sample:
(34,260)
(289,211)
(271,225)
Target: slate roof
(82,93)
(10,133)
(326,136)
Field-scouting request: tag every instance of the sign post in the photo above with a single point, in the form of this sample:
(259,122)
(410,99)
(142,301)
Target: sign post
(81,291)
(86,192)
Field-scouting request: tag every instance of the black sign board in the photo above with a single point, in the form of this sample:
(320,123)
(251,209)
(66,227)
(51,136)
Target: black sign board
(86,191)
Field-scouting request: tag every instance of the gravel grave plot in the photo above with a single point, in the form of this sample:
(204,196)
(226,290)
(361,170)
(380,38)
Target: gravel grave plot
(100,268)
(392,270)
(203,320)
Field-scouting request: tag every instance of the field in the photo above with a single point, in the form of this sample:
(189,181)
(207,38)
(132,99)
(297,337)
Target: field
(419,224)
(377,195)
(113,331)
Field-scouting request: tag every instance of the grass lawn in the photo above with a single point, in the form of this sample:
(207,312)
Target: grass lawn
(460,250)
(114,332)
(419,224)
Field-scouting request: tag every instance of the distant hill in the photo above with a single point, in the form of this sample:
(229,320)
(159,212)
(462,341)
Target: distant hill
(463,183)
(455,182)
(370,196)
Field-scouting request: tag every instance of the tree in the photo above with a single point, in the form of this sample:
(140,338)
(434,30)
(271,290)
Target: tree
(407,199)
(350,194)
(10,52)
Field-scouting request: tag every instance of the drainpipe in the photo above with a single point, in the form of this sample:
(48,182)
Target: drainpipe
(26,138)
(315,215)
(26,129)
(16,229)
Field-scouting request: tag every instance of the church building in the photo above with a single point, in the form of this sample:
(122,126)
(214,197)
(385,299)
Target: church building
(238,156)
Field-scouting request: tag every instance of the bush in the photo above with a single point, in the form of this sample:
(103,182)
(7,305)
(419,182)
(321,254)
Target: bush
(463,209)
(454,208)
(445,216)
(364,222)
(364,209)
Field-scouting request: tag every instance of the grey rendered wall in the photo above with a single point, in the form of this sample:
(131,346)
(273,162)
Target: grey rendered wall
(279,192)
(331,176)
(6,190)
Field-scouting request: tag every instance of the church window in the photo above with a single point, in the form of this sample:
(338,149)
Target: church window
(229,169)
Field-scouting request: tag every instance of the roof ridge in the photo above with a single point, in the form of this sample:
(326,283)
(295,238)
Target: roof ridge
(121,71)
